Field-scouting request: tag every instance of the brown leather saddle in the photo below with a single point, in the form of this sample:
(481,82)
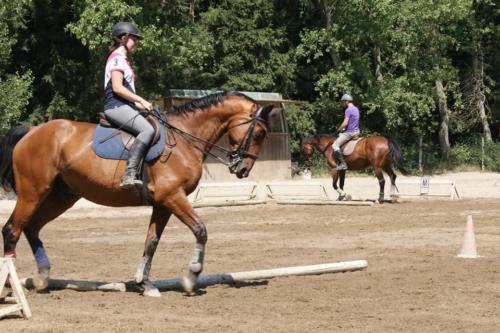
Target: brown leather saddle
(348,147)
(126,137)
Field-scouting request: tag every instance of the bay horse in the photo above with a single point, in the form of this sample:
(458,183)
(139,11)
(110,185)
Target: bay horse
(379,152)
(51,166)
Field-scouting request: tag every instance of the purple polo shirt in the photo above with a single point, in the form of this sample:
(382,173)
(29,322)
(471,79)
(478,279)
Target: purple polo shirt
(353,113)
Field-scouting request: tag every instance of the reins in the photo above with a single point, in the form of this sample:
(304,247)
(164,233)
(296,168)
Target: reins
(235,155)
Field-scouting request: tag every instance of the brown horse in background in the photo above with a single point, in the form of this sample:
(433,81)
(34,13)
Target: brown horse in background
(52,166)
(379,152)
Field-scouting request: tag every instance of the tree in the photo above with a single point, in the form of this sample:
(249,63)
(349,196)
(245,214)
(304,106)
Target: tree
(432,36)
(250,52)
(478,44)
(15,83)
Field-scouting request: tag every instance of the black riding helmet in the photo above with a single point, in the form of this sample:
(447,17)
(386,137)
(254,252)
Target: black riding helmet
(122,28)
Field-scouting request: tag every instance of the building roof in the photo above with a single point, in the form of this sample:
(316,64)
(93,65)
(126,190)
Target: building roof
(269,97)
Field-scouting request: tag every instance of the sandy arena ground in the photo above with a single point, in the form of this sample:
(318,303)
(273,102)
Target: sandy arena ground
(414,282)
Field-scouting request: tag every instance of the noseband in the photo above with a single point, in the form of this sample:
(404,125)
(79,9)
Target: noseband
(238,154)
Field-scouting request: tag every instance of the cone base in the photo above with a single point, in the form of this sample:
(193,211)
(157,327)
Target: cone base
(469,256)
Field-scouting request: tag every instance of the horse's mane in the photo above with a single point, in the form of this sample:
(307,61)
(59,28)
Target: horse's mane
(316,137)
(206,102)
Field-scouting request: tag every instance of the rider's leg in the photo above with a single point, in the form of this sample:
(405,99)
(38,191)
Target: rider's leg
(337,153)
(135,157)
(132,121)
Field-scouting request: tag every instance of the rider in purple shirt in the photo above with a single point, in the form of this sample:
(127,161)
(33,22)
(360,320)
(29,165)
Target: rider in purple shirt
(348,130)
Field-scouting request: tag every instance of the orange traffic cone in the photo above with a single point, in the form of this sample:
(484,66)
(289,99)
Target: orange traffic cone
(469,249)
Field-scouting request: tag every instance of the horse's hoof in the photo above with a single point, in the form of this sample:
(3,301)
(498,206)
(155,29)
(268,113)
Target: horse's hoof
(150,290)
(152,293)
(40,283)
(189,283)
(394,199)
(147,288)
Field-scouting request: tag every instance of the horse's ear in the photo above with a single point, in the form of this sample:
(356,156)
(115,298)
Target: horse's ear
(265,111)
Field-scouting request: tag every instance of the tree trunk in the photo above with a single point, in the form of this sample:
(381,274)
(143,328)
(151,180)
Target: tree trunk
(444,140)
(327,9)
(191,8)
(378,64)
(420,153)
(480,98)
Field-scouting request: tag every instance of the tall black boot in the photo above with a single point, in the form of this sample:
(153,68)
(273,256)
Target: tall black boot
(340,160)
(135,156)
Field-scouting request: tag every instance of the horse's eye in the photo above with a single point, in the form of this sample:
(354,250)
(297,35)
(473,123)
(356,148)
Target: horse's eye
(258,136)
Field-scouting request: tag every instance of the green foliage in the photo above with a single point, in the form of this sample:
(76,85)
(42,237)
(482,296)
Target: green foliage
(12,14)
(300,123)
(320,167)
(15,86)
(405,110)
(466,154)
(96,20)
(492,157)
(387,53)
(16,92)
(248,47)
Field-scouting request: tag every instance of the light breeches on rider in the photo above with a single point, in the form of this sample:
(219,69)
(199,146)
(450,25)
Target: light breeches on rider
(131,121)
(343,138)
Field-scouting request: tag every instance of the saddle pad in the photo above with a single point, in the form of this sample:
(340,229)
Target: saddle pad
(348,148)
(108,144)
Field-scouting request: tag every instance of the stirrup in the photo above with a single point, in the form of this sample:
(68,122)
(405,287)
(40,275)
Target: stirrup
(130,182)
(342,167)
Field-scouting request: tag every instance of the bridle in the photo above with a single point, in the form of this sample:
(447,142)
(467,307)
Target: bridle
(307,157)
(314,146)
(235,156)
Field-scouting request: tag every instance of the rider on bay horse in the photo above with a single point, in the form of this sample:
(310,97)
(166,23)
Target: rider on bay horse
(348,130)
(122,104)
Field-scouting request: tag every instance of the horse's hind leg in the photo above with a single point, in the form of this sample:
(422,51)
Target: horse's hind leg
(392,176)
(381,182)
(20,217)
(159,220)
(34,180)
(54,205)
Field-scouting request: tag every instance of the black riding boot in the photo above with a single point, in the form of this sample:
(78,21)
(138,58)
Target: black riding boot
(340,160)
(135,156)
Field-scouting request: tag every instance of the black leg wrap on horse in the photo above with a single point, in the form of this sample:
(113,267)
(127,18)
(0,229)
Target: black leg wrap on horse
(9,240)
(201,233)
(342,179)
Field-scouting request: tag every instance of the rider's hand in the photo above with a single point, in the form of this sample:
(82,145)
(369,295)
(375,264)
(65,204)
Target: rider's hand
(144,105)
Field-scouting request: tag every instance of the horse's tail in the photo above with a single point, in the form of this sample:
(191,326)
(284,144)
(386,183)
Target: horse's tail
(7,144)
(397,158)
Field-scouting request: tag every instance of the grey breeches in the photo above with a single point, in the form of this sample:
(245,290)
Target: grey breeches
(343,138)
(131,121)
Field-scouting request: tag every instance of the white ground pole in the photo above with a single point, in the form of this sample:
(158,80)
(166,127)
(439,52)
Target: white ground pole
(306,193)
(225,191)
(325,203)
(208,280)
(297,190)
(426,188)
